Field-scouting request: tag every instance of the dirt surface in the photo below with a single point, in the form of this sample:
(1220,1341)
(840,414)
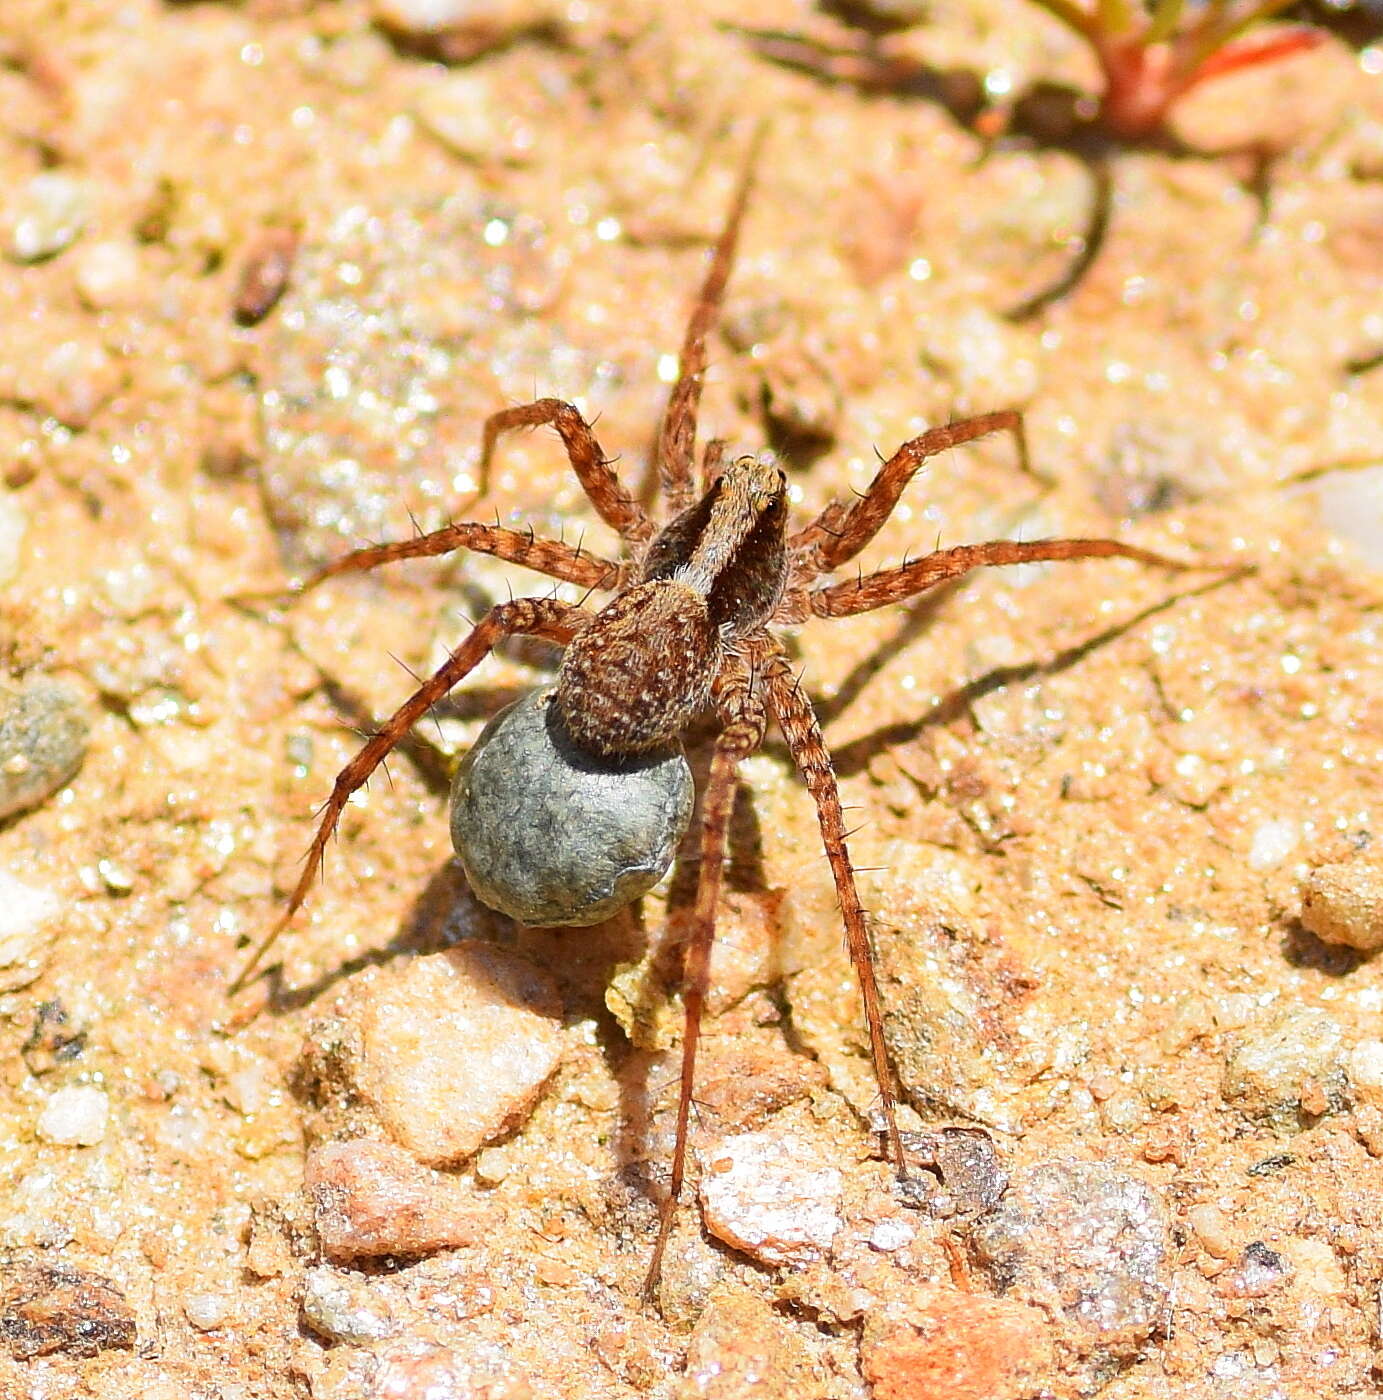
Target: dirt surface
(1087,795)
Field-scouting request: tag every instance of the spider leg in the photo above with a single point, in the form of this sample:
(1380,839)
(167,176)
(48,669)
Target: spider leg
(745,721)
(893,585)
(712,463)
(555,558)
(677,436)
(800,727)
(615,506)
(841,530)
(542,617)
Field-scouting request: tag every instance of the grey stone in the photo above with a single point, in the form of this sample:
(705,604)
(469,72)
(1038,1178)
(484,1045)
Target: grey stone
(1288,1068)
(43,739)
(49,1306)
(46,215)
(1343,903)
(1090,1243)
(346,1307)
(553,836)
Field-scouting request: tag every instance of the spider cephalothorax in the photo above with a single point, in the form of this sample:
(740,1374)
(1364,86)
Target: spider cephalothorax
(690,628)
(644,667)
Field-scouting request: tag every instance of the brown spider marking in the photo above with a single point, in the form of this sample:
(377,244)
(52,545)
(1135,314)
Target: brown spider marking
(689,628)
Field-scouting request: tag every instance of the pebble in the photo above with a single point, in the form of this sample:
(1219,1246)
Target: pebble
(1282,1060)
(56,1307)
(1087,1240)
(107,275)
(455,1047)
(946,1003)
(1343,903)
(14,525)
(26,914)
(512,825)
(486,22)
(1257,1272)
(47,215)
(771,1196)
(945,1345)
(43,739)
(741,1347)
(372,1198)
(345,1307)
(424,16)
(72,382)
(801,396)
(1272,842)
(1212,1228)
(264,274)
(75,1116)
(468,116)
(1351,504)
(414,1368)
(207,1311)
(972,1177)
(1365,1068)
(377,365)
(895,14)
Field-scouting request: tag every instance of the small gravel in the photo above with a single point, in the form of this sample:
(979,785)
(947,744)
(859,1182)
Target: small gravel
(413,1368)
(424,16)
(55,1307)
(1343,903)
(1365,1069)
(47,215)
(207,1311)
(107,275)
(741,1347)
(26,918)
(1088,1241)
(455,1047)
(945,1345)
(43,739)
(773,1197)
(14,525)
(470,26)
(1258,1271)
(75,1116)
(1287,1068)
(372,1198)
(1272,842)
(468,116)
(345,1307)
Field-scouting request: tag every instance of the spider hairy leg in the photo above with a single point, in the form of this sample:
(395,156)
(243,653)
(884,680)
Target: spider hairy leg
(554,558)
(538,617)
(745,719)
(802,731)
(615,506)
(843,529)
(677,434)
(877,590)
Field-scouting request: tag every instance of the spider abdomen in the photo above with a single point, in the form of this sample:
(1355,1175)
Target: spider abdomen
(623,686)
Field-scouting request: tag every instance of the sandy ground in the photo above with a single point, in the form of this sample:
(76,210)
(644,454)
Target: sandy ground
(1087,796)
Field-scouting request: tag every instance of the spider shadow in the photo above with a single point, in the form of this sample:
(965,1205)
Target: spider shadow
(854,757)
(648,1078)
(1301,948)
(1046,116)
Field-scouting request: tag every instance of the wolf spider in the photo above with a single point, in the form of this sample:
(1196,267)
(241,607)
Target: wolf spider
(689,628)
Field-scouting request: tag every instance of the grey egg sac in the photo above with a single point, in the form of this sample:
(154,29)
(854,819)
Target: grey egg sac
(550,834)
